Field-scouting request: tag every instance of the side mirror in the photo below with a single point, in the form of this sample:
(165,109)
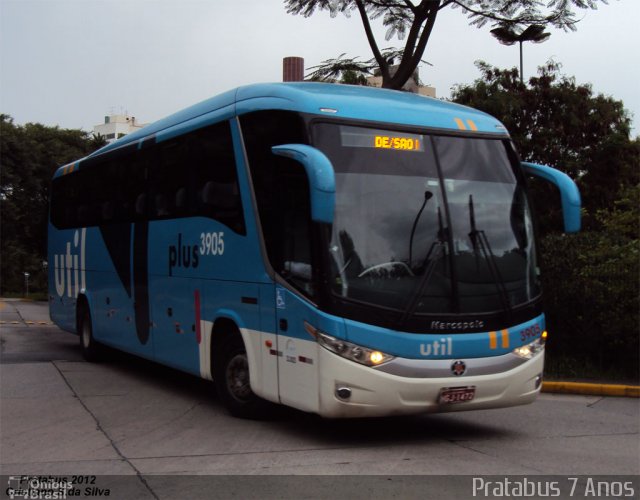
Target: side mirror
(569,193)
(322,180)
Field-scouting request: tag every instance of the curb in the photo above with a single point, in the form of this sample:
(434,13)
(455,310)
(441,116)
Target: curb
(26,322)
(625,391)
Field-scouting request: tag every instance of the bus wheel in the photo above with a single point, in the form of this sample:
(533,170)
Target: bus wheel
(232,380)
(88,346)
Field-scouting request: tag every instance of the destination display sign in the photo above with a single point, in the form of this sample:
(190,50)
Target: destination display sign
(394,142)
(360,137)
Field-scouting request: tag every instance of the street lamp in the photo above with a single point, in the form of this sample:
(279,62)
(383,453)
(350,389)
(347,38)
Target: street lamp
(507,36)
(26,284)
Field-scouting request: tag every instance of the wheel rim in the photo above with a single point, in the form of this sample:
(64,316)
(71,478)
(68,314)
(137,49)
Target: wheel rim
(237,378)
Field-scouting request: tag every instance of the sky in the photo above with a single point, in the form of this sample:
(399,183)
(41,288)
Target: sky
(71,62)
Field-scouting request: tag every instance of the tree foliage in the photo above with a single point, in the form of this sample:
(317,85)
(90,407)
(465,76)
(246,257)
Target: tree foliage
(557,122)
(29,155)
(413,22)
(592,289)
(591,278)
(351,70)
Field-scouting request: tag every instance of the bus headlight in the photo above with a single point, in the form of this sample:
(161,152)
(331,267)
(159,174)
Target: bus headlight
(528,351)
(348,350)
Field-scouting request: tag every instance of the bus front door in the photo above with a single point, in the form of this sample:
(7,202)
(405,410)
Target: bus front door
(297,352)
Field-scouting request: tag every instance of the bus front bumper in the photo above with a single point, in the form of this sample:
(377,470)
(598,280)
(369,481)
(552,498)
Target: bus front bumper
(348,389)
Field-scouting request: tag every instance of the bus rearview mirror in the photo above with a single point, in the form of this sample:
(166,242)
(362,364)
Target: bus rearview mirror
(569,193)
(322,181)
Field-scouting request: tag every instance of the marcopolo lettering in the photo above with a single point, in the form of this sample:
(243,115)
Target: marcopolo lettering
(457,325)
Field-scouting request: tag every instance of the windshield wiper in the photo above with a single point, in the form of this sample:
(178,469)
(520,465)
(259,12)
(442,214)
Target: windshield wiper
(427,196)
(433,255)
(479,240)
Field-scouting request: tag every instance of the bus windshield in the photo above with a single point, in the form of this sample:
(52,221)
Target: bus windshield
(428,224)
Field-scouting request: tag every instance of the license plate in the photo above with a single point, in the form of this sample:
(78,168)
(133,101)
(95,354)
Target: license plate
(452,395)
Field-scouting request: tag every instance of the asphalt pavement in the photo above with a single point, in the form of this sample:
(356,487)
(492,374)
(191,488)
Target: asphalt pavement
(146,431)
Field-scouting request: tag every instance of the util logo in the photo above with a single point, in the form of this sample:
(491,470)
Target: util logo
(69,269)
(442,347)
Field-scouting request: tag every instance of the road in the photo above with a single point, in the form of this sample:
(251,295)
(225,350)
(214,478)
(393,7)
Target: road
(124,416)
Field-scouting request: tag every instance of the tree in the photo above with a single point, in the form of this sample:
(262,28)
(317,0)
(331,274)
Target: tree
(351,70)
(30,154)
(591,291)
(342,70)
(557,122)
(591,278)
(413,21)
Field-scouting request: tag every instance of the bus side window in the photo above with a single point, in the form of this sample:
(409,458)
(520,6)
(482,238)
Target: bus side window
(108,211)
(69,218)
(141,206)
(182,201)
(91,196)
(294,208)
(86,214)
(166,171)
(120,190)
(214,168)
(109,176)
(64,197)
(133,175)
(282,194)
(88,204)
(220,195)
(194,174)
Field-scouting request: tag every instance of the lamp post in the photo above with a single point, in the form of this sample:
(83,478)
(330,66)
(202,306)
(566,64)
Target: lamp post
(26,284)
(507,36)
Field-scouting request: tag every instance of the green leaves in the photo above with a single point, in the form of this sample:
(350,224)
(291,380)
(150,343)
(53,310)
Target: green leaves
(591,291)
(350,70)
(590,279)
(519,14)
(413,23)
(30,154)
(555,121)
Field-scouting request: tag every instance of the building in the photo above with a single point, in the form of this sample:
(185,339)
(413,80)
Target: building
(116,126)
(293,71)
(410,86)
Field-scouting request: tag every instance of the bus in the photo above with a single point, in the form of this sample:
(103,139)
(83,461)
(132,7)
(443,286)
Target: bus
(346,251)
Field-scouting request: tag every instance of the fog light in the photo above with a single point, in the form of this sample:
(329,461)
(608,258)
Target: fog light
(538,381)
(343,393)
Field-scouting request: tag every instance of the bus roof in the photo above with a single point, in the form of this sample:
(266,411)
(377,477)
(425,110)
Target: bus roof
(331,100)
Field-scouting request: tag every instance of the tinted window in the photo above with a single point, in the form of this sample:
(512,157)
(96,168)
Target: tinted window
(194,174)
(428,224)
(282,194)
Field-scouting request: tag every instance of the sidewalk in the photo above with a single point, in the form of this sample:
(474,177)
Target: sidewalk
(591,389)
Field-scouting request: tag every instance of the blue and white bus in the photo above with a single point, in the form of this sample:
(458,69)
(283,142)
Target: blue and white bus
(347,251)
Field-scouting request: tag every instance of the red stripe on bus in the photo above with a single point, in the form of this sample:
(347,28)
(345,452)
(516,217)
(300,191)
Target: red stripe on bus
(196,296)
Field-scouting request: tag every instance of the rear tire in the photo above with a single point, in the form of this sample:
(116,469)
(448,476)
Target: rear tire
(90,349)
(231,376)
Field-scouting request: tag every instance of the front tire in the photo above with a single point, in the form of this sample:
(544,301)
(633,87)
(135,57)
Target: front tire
(88,346)
(232,380)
